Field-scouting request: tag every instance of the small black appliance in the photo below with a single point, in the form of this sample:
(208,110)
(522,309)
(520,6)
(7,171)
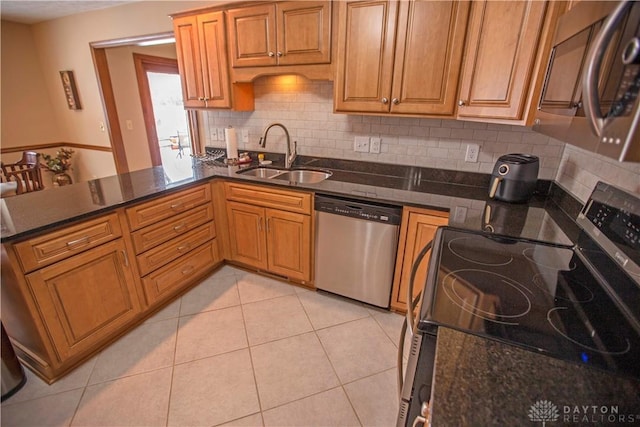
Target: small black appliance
(514,178)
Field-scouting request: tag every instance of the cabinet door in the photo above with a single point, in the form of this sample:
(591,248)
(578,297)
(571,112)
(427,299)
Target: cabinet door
(86,299)
(289,244)
(417,230)
(304,32)
(252,36)
(500,56)
(188,53)
(247,234)
(428,56)
(365,55)
(213,60)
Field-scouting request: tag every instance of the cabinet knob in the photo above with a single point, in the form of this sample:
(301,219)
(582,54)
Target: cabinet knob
(461,103)
(279,54)
(201,98)
(271,54)
(395,101)
(385,100)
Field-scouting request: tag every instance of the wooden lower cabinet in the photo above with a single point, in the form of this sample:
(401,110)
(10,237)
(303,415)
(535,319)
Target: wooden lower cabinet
(248,239)
(289,244)
(418,228)
(86,299)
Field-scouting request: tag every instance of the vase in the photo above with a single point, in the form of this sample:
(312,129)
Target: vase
(62,179)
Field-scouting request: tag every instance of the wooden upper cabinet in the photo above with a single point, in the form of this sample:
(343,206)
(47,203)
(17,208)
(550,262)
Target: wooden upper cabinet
(287,33)
(411,67)
(501,51)
(202,60)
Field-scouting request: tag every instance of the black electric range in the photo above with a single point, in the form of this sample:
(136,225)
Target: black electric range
(579,303)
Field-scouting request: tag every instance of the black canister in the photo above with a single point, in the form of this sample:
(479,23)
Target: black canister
(514,178)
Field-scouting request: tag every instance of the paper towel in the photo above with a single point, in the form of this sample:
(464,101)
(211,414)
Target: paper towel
(232,143)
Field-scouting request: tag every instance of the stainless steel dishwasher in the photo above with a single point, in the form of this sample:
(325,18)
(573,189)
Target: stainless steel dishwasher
(356,245)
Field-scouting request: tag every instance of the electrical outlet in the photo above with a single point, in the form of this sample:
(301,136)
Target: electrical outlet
(214,134)
(460,215)
(472,153)
(221,134)
(245,136)
(361,144)
(374,146)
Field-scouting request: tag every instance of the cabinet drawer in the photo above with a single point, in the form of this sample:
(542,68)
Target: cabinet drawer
(174,276)
(160,255)
(165,207)
(292,201)
(153,235)
(49,248)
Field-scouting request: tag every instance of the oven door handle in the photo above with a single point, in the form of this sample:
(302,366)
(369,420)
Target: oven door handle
(594,61)
(411,323)
(400,360)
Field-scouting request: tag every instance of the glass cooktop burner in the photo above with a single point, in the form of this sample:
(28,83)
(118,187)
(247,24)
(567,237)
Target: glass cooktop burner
(533,294)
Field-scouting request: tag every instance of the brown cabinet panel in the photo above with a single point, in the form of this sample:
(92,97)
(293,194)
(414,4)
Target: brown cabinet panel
(418,228)
(289,244)
(154,235)
(246,230)
(156,210)
(86,299)
(287,33)
(269,197)
(173,277)
(49,248)
(161,255)
(500,55)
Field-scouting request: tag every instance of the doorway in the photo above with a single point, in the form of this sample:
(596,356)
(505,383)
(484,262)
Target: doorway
(166,120)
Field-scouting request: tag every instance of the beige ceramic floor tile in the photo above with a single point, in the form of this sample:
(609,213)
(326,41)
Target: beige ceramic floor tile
(329,408)
(148,347)
(214,390)
(171,311)
(210,333)
(375,398)
(326,310)
(290,369)
(358,349)
(227,270)
(35,387)
(253,287)
(391,324)
(274,319)
(214,293)
(53,410)
(139,400)
(254,420)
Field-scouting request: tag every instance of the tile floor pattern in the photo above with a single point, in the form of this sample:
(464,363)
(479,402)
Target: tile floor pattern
(238,350)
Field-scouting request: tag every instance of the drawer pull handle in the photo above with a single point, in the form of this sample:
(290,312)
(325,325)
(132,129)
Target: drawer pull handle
(184,248)
(125,258)
(177,206)
(81,241)
(179,227)
(187,270)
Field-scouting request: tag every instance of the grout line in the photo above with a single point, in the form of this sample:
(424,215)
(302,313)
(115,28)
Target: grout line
(173,362)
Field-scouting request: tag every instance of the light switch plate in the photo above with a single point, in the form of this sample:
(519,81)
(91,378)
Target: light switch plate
(245,136)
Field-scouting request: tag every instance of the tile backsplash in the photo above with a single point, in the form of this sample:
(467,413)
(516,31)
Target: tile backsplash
(305,107)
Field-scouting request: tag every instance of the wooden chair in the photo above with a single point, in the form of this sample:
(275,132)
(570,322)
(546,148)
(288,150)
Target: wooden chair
(26,173)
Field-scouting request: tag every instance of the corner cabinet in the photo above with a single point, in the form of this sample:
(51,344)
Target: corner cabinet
(270,229)
(418,228)
(506,53)
(400,57)
(286,33)
(201,47)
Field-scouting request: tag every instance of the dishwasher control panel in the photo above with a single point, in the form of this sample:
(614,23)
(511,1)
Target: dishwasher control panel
(367,211)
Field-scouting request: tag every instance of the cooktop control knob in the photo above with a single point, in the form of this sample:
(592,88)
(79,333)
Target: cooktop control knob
(631,54)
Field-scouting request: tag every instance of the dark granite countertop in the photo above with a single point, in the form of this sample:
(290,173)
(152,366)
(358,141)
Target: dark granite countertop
(464,195)
(480,382)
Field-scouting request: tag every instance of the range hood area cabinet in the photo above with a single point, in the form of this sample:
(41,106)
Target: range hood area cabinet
(399,57)
(201,47)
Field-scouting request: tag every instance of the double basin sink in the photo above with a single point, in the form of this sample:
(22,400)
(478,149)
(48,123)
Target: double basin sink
(299,176)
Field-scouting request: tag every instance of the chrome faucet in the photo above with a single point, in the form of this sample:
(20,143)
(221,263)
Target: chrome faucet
(289,156)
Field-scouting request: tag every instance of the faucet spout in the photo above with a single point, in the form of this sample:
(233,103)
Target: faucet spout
(289,155)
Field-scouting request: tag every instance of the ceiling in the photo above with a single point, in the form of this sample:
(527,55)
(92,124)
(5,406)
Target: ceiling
(34,11)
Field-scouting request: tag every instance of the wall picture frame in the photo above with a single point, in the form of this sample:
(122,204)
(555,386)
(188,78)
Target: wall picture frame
(70,90)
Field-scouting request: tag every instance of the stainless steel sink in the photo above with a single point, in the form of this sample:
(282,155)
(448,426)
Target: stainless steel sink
(301,176)
(304,176)
(261,172)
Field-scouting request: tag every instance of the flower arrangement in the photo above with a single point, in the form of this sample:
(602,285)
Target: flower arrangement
(61,162)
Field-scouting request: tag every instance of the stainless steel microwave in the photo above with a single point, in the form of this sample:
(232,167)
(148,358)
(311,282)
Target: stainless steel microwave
(590,96)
